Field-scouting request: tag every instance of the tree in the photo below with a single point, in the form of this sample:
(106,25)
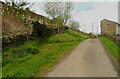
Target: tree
(67,11)
(60,11)
(74,24)
(20,8)
(19,5)
(51,9)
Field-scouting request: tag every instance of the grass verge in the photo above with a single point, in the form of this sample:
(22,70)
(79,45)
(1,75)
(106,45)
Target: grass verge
(111,46)
(38,55)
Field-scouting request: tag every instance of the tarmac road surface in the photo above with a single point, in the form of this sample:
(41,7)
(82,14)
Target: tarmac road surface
(89,59)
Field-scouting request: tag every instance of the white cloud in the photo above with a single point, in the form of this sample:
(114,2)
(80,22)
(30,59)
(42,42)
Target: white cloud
(86,18)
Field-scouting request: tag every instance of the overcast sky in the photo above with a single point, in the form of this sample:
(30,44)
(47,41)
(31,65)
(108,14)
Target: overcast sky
(94,12)
(86,12)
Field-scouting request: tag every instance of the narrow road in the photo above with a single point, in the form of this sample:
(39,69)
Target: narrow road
(89,59)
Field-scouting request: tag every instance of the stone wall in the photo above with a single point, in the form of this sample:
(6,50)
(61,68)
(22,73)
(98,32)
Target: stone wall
(15,40)
(41,30)
(38,31)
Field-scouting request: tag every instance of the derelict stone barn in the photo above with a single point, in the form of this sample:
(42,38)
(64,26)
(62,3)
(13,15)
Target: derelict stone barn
(110,29)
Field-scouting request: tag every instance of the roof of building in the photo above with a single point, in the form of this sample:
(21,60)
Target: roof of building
(111,21)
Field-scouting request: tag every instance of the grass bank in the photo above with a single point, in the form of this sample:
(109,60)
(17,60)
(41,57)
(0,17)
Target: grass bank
(111,46)
(38,55)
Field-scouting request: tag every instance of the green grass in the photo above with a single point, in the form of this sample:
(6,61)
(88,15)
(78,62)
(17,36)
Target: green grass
(0,65)
(39,55)
(60,38)
(111,46)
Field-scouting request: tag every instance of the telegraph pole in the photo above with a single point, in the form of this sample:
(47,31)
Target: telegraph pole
(92,29)
(97,29)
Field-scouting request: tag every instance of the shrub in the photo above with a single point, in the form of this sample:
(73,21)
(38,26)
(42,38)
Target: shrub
(32,49)
(28,49)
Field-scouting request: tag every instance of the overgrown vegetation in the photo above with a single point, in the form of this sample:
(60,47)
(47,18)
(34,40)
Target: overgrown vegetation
(115,50)
(27,56)
(39,55)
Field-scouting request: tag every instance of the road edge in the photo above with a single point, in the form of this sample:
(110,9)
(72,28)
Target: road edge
(114,61)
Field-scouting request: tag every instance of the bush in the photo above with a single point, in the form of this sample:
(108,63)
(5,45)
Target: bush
(27,49)
(32,49)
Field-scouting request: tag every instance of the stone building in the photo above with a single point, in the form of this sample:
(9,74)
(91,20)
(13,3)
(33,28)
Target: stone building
(110,28)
